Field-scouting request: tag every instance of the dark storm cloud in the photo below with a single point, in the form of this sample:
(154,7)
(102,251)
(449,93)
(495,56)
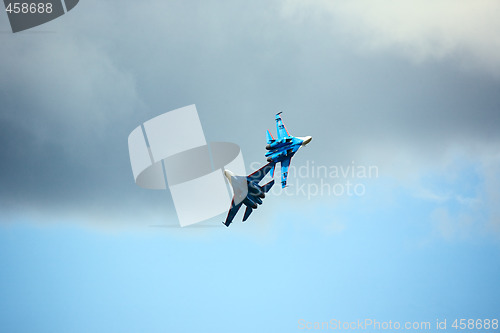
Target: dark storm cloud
(70,99)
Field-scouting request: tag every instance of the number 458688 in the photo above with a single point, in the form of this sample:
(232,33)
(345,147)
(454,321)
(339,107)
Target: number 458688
(32,8)
(475,324)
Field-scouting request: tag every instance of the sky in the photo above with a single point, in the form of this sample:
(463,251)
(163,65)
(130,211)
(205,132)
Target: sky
(410,89)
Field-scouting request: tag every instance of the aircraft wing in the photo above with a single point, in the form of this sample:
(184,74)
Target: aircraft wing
(232,213)
(248,211)
(284,171)
(268,186)
(281,131)
(261,173)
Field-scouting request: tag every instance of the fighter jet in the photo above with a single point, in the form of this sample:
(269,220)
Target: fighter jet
(247,191)
(283,148)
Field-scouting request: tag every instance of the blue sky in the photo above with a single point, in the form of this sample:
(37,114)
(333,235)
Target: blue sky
(411,89)
(65,277)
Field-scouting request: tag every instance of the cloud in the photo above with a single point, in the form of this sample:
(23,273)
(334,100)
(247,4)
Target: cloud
(461,31)
(463,191)
(491,172)
(70,98)
(65,110)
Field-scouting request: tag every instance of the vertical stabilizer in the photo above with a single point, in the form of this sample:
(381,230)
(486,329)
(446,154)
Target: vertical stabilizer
(281,131)
(269,137)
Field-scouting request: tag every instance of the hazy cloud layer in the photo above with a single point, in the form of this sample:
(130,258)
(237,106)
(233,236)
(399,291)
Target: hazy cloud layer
(69,98)
(463,32)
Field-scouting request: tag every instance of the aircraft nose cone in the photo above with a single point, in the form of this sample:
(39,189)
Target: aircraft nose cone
(307,139)
(228,175)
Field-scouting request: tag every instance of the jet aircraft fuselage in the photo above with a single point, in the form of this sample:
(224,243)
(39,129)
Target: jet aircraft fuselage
(283,148)
(247,191)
